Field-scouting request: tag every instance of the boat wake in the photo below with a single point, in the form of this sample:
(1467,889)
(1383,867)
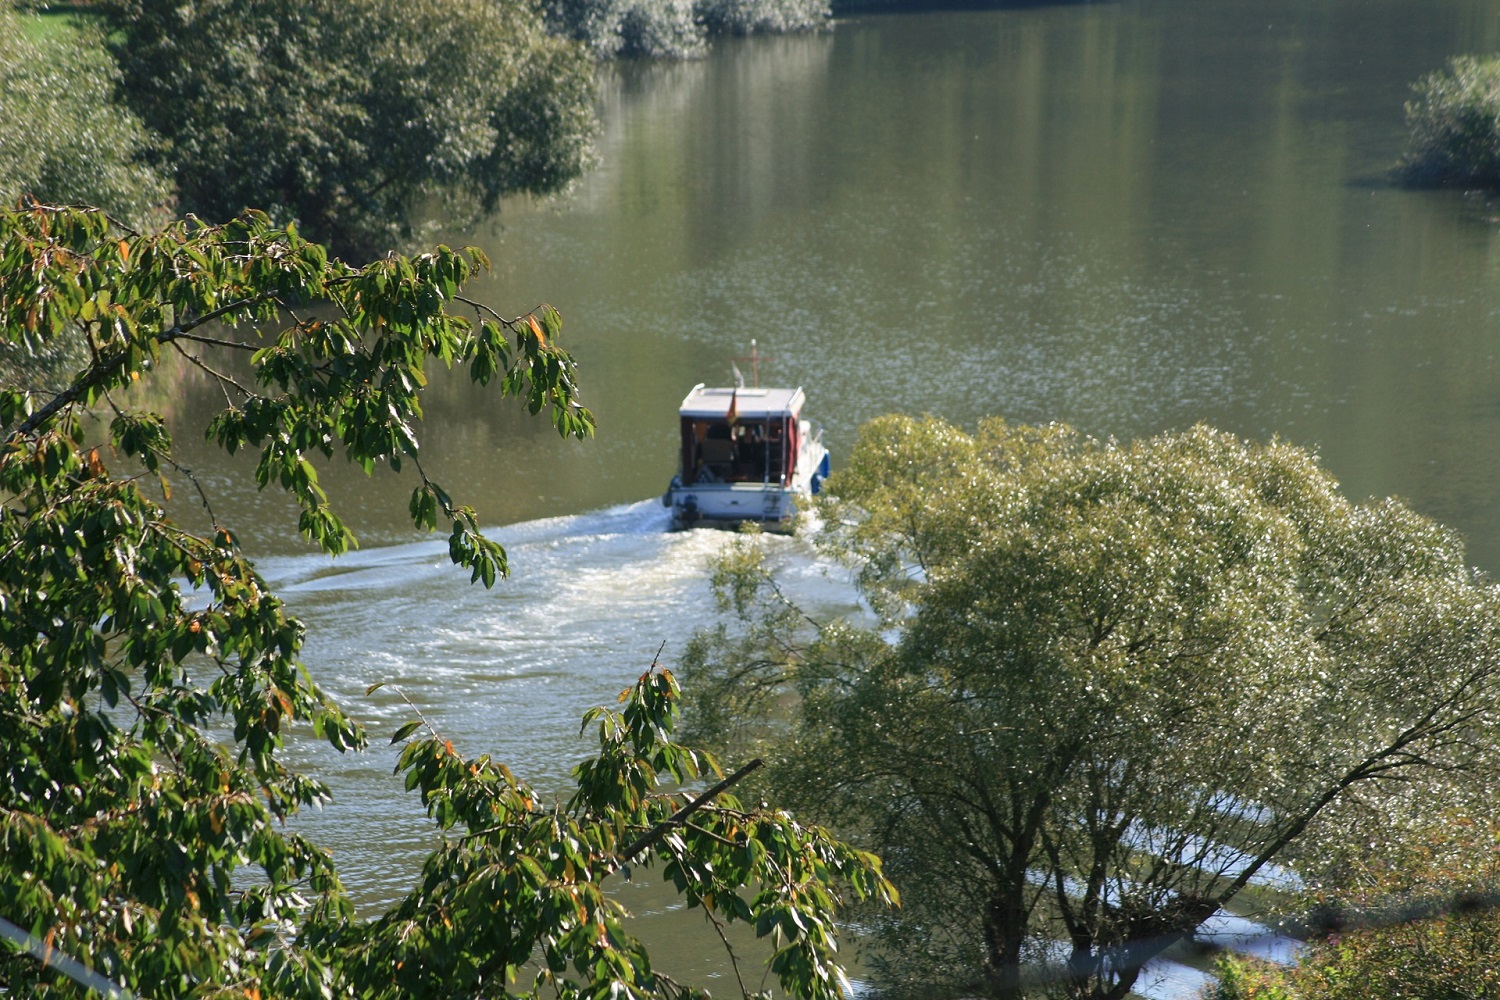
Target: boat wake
(373,567)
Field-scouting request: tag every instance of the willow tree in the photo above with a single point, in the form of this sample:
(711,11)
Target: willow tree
(1113,686)
(149,676)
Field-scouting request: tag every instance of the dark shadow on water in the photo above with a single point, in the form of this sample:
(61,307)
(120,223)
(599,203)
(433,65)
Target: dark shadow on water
(1384,181)
(1480,203)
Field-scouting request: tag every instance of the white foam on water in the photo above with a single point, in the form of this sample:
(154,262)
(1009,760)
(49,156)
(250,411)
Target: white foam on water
(506,671)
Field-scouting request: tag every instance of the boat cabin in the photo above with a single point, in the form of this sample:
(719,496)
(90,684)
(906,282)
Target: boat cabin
(739,435)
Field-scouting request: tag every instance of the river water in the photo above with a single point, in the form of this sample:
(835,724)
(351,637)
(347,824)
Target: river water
(1128,216)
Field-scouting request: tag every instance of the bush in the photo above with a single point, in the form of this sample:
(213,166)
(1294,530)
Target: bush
(747,17)
(658,29)
(1455,126)
(675,29)
(1245,979)
(1412,918)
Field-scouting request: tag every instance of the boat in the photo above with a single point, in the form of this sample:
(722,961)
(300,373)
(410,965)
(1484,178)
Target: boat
(746,454)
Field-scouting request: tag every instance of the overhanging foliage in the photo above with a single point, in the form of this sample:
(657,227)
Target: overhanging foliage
(149,677)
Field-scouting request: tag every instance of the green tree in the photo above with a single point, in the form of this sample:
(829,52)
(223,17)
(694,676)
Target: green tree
(646,28)
(750,17)
(1454,119)
(149,676)
(346,116)
(1110,686)
(62,139)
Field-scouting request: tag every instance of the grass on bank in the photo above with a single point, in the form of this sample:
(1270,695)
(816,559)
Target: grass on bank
(53,20)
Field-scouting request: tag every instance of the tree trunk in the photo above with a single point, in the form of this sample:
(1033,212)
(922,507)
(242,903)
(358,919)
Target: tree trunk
(1005,921)
(1085,979)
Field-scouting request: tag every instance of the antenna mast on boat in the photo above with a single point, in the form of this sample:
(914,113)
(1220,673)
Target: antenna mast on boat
(755,358)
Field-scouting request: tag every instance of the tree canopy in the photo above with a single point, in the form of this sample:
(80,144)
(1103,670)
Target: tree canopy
(1110,686)
(62,138)
(345,116)
(149,677)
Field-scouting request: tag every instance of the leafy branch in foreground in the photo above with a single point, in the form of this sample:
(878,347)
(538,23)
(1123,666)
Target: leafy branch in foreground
(339,355)
(515,894)
(149,677)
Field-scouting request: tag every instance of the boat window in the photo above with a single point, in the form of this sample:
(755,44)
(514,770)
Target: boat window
(746,451)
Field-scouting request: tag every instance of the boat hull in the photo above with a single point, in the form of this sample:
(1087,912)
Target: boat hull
(728,505)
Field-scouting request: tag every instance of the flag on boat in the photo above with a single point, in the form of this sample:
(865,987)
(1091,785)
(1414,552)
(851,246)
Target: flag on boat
(733,413)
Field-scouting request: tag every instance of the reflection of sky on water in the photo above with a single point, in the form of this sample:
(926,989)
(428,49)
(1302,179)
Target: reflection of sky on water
(1166,978)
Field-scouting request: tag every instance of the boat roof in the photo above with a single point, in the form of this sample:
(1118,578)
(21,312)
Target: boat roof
(757,403)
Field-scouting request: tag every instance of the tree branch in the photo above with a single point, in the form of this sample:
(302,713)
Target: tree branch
(678,818)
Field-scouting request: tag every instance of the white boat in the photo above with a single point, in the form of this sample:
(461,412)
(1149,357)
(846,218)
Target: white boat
(746,455)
